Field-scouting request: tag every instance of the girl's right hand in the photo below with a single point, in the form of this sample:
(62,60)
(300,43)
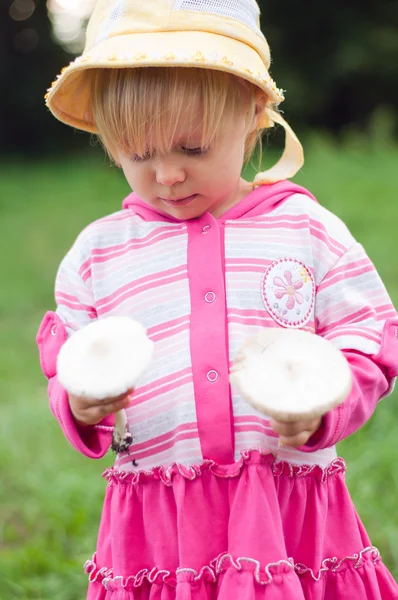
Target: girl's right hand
(89,411)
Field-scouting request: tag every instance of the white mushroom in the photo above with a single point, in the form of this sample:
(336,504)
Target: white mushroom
(291,374)
(104,360)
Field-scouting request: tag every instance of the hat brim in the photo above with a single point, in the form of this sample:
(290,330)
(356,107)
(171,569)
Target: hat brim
(69,98)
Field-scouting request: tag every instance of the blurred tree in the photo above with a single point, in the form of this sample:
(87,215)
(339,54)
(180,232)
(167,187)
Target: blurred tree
(337,61)
(29,61)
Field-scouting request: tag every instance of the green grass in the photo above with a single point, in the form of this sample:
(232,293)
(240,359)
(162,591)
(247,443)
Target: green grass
(50,496)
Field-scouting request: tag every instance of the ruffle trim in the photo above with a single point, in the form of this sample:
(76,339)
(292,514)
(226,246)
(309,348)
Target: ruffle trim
(263,575)
(104,428)
(209,573)
(253,456)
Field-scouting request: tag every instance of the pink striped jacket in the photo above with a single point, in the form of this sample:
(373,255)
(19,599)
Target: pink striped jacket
(201,288)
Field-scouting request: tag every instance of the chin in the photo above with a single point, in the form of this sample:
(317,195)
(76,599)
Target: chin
(186,215)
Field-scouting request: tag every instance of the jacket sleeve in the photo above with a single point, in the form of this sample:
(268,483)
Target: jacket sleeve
(354,312)
(75,309)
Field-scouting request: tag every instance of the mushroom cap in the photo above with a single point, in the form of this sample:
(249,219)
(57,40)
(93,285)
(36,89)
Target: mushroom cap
(105,358)
(290,374)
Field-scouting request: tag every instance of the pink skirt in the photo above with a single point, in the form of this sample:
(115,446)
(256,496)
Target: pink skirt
(254,530)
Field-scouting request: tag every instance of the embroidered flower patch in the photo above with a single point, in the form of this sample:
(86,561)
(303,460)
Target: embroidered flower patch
(288,291)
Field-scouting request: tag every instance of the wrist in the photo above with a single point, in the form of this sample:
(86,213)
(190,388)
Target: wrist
(82,424)
(74,404)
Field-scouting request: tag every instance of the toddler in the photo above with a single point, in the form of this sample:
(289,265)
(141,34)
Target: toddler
(213,500)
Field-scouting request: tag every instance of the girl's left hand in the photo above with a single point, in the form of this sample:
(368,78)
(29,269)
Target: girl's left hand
(296,433)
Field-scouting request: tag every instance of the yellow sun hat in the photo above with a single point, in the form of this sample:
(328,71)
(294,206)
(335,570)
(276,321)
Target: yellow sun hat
(212,34)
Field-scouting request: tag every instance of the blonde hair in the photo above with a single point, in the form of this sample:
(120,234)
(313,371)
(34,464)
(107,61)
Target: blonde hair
(129,104)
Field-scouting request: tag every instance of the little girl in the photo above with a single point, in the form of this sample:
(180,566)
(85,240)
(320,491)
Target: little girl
(213,499)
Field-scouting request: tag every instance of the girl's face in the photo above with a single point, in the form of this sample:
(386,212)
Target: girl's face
(190,181)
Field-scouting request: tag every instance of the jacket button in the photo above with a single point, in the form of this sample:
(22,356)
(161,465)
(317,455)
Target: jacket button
(212,376)
(210,297)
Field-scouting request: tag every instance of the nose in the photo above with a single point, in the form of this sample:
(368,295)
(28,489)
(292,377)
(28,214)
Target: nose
(169,172)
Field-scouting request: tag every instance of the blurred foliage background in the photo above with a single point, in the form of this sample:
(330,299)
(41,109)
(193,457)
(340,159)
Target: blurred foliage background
(338,63)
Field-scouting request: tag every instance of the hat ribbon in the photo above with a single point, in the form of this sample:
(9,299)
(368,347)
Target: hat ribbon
(291,160)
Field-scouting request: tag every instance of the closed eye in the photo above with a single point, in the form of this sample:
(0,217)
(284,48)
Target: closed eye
(138,158)
(195,151)
(188,151)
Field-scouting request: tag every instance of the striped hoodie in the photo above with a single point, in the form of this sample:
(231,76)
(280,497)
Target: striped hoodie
(201,288)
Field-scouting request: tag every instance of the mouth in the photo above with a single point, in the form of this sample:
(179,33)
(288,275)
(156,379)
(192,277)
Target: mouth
(180,201)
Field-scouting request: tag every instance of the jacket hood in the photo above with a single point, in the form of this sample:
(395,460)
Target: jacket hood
(260,201)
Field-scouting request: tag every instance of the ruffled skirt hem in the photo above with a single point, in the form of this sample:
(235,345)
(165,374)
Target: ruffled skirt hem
(259,529)
(362,576)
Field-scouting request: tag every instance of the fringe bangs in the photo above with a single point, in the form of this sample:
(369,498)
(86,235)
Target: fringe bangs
(138,110)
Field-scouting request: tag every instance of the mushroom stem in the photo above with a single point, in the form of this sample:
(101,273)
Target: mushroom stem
(121,422)
(122,438)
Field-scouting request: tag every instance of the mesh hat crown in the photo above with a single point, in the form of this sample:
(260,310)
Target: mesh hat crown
(213,34)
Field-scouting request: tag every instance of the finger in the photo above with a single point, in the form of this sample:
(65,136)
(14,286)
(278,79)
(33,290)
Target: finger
(112,400)
(91,411)
(85,402)
(294,441)
(114,405)
(295,427)
(81,402)
(95,413)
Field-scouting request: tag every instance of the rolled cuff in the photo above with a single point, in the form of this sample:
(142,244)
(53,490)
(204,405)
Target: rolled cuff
(93,440)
